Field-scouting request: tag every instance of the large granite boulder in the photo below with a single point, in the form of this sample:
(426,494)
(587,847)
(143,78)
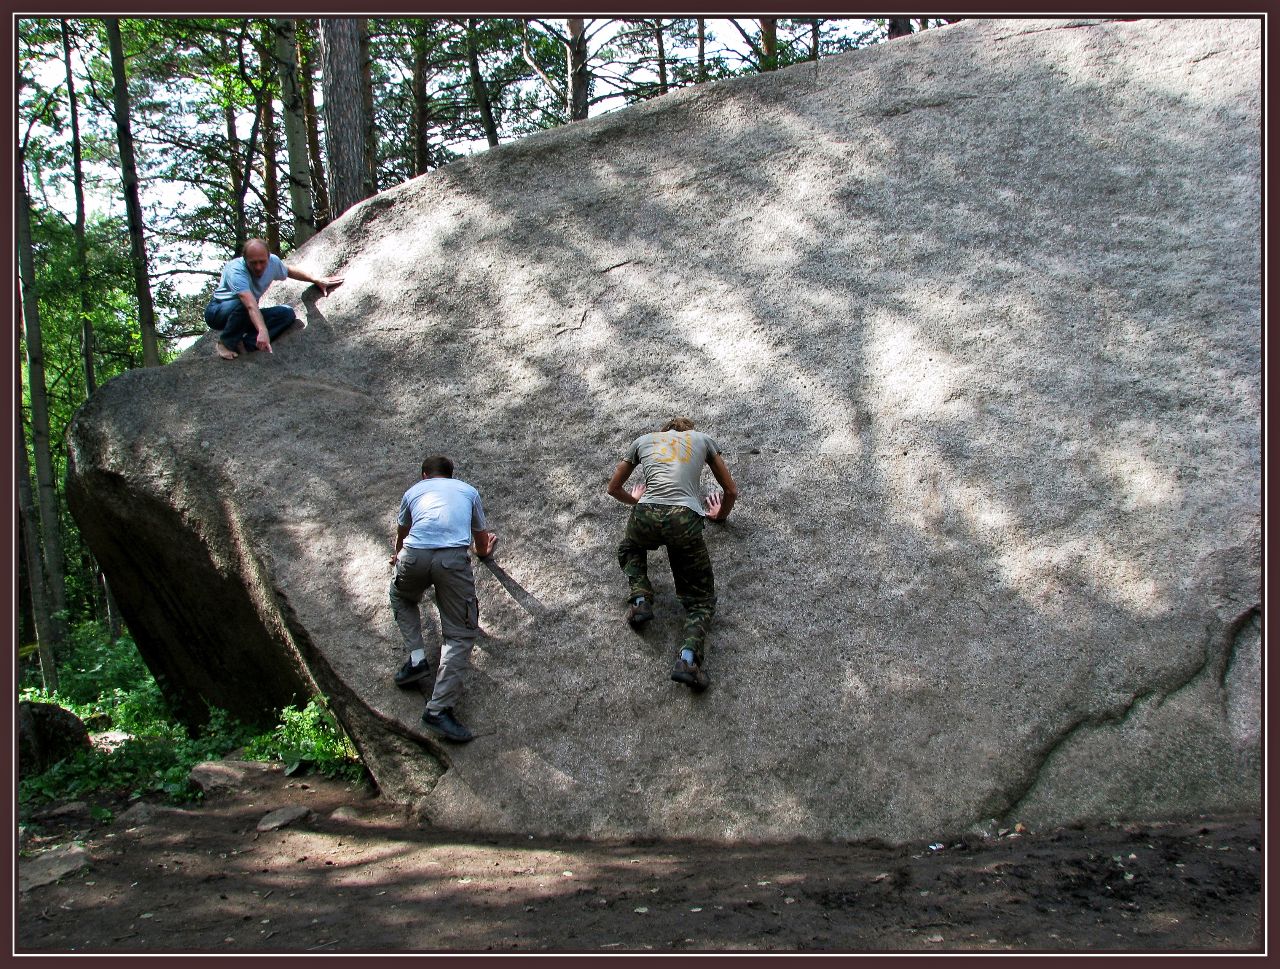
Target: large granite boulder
(975,315)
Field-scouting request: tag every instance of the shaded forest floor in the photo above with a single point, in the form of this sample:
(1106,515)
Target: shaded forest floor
(357,875)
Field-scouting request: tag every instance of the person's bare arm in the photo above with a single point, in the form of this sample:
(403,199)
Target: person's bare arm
(401,532)
(255,317)
(719,506)
(616,490)
(484,542)
(322,282)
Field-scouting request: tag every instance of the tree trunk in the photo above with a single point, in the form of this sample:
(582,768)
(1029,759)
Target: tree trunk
(769,43)
(366,94)
(815,37)
(702,50)
(132,204)
(114,623)
(41,615)
(576,54)
(295,131)
(479,89)
(421,100)
(50,574)
(239,220)
(344,112)
(306,78)
(662,56)
(82,258)
(270,148)
(899,27)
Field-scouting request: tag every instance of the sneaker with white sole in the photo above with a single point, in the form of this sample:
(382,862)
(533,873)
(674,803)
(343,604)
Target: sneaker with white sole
(412,672)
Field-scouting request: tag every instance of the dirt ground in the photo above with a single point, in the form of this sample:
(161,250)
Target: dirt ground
(356,875)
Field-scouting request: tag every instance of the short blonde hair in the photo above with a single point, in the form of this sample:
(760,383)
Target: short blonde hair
(678,424)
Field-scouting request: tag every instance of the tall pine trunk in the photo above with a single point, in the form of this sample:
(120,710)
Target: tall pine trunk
(344,112)
(270,177)
(659,40)
(307,83)
(41,614)
(421,101)
(769,43)
(702,49)
(479,89)
(45,503)
(133,206)
(295,130)
(82,257)
(576,56)
(366,95)
(899,27)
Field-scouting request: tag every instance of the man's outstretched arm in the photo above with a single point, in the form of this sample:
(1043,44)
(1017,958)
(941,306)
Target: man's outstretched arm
(323,282)
(720,505)
(616,490)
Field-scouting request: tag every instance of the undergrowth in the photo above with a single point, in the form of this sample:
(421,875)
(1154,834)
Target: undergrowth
(107,686)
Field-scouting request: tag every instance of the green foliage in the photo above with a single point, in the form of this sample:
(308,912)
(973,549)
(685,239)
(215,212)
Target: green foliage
(156,764)
(310,736)
(107,685)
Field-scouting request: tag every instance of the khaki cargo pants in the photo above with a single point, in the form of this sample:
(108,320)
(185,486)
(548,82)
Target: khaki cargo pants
(448,571)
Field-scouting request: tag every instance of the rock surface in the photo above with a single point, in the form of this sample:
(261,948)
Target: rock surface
(974,314)
(47,734)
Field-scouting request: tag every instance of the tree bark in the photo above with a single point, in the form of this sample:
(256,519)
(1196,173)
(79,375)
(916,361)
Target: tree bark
(899,27)
(344,112)
(239,220)
(576,55)
(306,77)
(295,130)
(82,257)
(479,89)
(702,49)
(815,38)
(769,43)
(662,56)
(270,146)
(50,572)
(41,614)
(421,101)
(133,206)
(366,94)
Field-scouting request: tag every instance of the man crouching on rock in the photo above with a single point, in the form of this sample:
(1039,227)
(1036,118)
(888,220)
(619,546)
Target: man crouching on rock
(439,517)
(234,308)
(668,510)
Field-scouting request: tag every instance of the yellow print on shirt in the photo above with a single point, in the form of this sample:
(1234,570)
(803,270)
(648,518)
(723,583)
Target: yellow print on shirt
(675,448)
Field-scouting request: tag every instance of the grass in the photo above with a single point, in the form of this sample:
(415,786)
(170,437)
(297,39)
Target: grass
(107,686)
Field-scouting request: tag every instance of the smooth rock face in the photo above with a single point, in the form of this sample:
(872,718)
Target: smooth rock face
(975,315)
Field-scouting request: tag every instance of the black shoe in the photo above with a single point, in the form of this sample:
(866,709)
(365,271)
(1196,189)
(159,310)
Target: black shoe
(412,672)
(691,675)
(640,612)
(443,725)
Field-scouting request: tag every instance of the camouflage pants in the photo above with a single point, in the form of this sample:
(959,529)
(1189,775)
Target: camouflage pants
(680,530)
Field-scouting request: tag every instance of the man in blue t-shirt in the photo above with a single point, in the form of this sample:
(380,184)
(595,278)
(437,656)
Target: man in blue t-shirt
(234,308)
(438,520)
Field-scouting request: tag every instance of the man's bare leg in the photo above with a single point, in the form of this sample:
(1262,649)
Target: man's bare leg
(225,352)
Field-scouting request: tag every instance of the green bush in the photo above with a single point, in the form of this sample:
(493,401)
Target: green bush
(156,763)
(312,737)
(107,685)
